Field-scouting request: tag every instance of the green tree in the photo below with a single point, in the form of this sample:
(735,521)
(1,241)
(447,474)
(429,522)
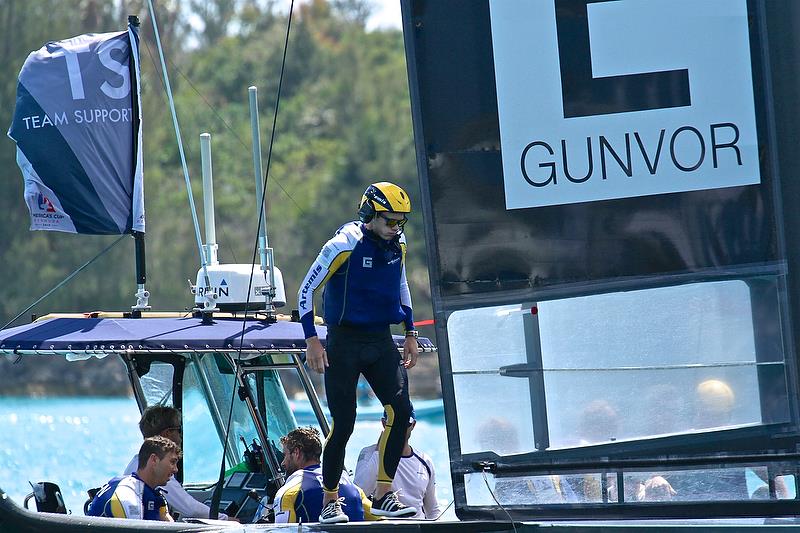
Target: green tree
(344,121)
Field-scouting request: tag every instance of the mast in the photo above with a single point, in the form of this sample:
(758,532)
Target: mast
(142,294)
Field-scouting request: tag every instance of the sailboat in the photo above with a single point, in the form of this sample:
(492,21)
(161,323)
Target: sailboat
(609,193)
(610,196)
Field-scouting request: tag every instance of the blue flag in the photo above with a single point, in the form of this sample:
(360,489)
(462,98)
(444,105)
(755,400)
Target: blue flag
(77,125)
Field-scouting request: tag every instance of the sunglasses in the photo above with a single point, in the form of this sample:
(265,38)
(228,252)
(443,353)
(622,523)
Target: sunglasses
(393,222)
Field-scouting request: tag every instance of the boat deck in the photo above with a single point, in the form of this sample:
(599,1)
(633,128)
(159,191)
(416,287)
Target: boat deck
(19,520)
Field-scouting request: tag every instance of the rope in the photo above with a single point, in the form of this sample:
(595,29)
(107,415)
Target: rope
(519,372)
(65,280)
(236,135)
(184,166)
(230,128)
(218,489)
(511,520)
(226,239)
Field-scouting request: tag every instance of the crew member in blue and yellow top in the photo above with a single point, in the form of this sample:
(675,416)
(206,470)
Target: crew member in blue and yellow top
(300,498)
(363,270)
(137,495)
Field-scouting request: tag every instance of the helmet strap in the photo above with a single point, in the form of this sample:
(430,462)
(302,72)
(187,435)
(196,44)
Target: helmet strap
(366,212)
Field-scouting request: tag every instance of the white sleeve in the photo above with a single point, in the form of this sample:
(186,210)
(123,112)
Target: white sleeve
(129,496)
(311,282)
(430,503)
(405,292)
(281,516)
(130,502)
(330,258)
(181,501)
(366,475)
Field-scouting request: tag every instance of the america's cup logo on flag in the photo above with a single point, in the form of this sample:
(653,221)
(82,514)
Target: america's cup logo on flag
(77,125)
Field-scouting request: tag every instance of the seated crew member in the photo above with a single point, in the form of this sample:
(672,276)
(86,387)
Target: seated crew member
(362,268)
(415,479)
(165,421)
(137,495)
(300,498)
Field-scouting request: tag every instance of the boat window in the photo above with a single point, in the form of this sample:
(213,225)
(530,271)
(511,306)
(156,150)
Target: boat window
(298,402)
(504,425)
(483,489)
(713,484)
(284,393)
(280,419)
(710,484)
(206,404)
(787,487)
(593,370)
(157,384)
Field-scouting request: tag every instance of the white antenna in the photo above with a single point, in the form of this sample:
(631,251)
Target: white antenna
(210,247)
(227,284)
(265,252)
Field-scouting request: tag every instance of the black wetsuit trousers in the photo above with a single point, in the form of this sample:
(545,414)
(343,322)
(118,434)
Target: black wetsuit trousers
(352,351)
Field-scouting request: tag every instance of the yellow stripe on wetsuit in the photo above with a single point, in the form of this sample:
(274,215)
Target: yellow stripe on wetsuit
(383,477)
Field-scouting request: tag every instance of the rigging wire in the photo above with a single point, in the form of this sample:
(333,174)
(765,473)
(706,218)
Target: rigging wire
(236,136)
(65,280)
(215,499)
(449,505)
(226,239)
(184,166)
(228,126)
(510,519)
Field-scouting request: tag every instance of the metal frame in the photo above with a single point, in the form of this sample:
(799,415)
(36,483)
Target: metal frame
(241,368)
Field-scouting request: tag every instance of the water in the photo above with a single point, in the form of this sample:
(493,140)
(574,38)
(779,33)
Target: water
(80,443)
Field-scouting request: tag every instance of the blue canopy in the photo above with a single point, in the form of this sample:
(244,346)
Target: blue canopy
(120,334)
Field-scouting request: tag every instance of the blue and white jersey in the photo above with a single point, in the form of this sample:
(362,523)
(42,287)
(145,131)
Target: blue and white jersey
(365,282)
(129,497)
(300,498)
(179,500)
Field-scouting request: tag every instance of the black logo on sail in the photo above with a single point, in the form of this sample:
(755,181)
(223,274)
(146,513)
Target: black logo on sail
(585,95)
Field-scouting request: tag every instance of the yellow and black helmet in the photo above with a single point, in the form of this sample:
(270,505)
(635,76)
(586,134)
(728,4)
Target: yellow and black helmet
(383,196)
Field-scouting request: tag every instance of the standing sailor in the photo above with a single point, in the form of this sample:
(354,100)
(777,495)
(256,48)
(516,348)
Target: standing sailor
(363,268)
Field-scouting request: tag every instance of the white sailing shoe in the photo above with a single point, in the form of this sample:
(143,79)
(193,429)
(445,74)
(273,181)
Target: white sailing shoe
(332,513)
(390,506)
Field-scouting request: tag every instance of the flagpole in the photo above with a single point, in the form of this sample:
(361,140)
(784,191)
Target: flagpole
(142,294)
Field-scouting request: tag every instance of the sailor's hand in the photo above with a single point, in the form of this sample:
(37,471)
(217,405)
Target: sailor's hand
(410,352)
(316,357)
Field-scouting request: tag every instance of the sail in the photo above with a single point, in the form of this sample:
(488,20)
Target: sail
(602,346)
(77,125)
